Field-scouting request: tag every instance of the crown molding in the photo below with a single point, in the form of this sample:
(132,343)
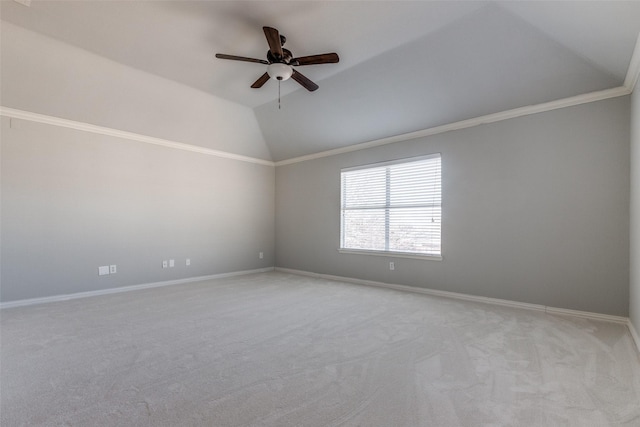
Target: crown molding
(464,124)
(87,127)
(633,72)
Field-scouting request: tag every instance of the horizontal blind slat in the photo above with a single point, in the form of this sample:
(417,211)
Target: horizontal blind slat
(393,208)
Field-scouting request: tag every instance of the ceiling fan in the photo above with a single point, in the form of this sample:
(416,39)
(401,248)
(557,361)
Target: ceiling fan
(280,61)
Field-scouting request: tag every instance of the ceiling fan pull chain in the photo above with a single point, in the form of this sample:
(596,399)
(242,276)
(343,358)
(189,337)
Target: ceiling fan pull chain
(279,94)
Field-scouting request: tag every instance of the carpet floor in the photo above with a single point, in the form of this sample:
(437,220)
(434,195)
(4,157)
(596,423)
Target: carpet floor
(276,349)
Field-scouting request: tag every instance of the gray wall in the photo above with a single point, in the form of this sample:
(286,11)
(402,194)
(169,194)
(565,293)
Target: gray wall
(634,297)
(535,209)
(72,200)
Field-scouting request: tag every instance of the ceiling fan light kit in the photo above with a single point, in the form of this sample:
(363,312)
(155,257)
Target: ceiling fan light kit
(279,71)
(280,62)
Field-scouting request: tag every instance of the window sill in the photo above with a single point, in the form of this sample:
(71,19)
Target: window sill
(391,254)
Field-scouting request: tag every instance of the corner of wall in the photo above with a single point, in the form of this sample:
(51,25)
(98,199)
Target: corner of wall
(634,215)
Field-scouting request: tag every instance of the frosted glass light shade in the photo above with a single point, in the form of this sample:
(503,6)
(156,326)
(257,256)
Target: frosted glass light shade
(279,71)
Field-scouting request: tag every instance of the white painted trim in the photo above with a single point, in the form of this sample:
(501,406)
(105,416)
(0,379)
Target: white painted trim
(406,255)
(634,334)
(461,296)
(587,315)
(394,162)
(87,127)
(464,124)
(633,72)
(433,292)
(56,298)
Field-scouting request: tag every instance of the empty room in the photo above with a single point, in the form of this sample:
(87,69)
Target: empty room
(319,213)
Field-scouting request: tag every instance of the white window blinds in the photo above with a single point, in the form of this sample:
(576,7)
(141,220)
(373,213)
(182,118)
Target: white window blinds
(393,207)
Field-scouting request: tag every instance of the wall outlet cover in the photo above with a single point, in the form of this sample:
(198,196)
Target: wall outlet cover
(112,269)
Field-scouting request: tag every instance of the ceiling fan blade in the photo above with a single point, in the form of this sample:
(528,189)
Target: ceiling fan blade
(273,38)
(241,58)
(324,58)
(305,82)
(261,81)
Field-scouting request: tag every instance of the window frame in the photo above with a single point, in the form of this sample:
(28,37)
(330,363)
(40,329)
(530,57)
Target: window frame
(388,253)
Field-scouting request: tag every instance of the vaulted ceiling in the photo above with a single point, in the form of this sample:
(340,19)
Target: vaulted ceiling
(404,66)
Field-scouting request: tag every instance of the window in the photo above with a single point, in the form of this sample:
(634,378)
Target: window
(393,207)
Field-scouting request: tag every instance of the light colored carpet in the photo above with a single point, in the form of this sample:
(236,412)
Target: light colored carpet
(276,349)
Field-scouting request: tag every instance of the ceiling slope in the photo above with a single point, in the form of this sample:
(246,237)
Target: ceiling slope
(488,62)
(404,65)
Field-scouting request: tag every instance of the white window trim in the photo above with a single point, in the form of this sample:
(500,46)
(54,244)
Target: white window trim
(391,254)
(391,162)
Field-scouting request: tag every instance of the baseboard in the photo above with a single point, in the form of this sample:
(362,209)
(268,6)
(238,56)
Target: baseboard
(466,297)
(634,334)
(587,315)
(425,291)
(55,298)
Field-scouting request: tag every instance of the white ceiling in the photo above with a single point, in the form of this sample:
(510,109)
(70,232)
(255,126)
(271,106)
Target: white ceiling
(404,66)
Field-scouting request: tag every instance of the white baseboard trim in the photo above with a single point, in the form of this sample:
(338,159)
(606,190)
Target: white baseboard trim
(466,297)
(587,315)
(56,298)
(634,334)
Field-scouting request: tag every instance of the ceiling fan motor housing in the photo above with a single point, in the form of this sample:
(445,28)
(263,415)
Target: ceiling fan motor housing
(285,58)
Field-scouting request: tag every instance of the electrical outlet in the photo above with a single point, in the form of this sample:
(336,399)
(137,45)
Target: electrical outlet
(103,270)
(165,264)
(112,269)
(392,265)
(188,261)
(261,255)
(172,263)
